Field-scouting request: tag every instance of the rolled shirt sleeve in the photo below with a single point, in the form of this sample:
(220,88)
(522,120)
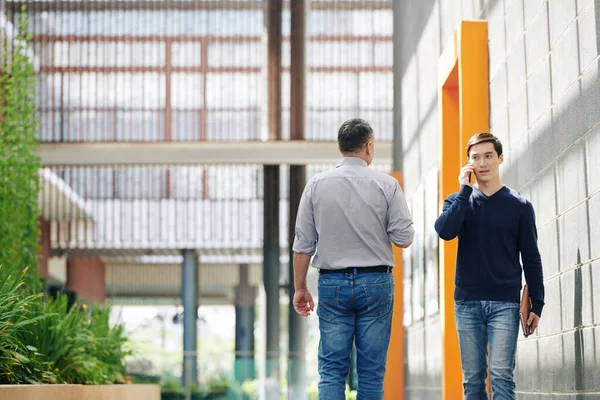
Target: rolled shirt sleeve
(306,236)
(399,221)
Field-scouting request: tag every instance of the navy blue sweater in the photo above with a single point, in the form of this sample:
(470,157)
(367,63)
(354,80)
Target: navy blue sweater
(492,232)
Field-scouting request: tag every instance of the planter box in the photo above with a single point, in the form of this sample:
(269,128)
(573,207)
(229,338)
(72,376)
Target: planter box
(36,392)
(120,392)
(79,392)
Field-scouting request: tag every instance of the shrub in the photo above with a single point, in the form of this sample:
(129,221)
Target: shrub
(43,341)
(19,163)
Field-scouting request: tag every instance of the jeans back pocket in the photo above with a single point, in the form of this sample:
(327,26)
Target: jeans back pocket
(328,303)
(380,297)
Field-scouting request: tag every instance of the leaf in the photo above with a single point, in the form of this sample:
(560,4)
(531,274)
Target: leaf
(20,357)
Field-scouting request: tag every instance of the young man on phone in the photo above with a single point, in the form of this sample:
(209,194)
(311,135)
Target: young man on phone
(495,226)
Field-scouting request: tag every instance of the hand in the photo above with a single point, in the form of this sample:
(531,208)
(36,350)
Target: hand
(532,323)
(463,177)
(303,302)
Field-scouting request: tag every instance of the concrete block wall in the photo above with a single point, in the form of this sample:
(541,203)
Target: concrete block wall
(545,107)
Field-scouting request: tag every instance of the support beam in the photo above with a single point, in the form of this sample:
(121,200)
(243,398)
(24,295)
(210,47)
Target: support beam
(296,323)
(245,296)
(190,316)
(271,197)
(292,152)
(274,36)
(271,269)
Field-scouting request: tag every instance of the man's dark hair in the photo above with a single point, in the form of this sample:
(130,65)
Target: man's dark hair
(483,138)
(354,134)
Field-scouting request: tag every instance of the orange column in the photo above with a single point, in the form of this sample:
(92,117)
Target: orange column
(394,375)
(464,106)
(450,165)
(473,82)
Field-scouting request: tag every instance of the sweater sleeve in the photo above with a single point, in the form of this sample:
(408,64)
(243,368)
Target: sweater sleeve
(530,256)
(455,208)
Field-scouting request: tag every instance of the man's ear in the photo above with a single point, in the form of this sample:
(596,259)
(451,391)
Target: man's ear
(501,158)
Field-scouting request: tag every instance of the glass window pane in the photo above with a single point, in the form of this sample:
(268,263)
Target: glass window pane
(233,90)
(233,181)
(376,90)
(231,54)
(332,90)
(187,182)
(186,54)
(140,126)
(139,182)
(140,90)
(383,53)
(186,125)
(340,53)
(88,182)
(186,90)
(233,125)
(324,125)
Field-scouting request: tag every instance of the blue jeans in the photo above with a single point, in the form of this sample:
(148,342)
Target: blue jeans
(480,323)
(354,307)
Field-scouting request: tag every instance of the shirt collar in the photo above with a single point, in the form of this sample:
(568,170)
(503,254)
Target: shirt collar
(352,162)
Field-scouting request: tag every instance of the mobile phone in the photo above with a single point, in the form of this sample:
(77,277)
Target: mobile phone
(469,174)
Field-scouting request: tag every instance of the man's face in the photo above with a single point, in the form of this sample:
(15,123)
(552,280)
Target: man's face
(486,161)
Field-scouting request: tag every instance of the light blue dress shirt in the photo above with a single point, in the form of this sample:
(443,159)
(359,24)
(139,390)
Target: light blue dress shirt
(349,215)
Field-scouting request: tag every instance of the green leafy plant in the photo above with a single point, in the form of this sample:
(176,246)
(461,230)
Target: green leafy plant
(19,164)
(65,343)
(110,345)
(43,341)
(19,362)
(76,345)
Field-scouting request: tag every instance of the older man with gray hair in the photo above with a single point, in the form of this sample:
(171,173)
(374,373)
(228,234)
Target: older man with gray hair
(347,219)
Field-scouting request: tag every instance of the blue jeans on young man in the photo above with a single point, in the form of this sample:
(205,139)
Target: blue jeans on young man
(357,307)
(483,323)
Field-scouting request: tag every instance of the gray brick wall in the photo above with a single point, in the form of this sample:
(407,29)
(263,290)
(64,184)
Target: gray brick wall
(545,107)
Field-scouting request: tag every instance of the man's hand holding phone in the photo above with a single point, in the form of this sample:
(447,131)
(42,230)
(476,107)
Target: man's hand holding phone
(465,174)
